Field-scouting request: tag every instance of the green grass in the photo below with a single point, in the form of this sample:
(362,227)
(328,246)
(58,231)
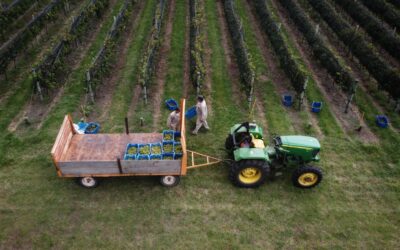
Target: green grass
(356,206)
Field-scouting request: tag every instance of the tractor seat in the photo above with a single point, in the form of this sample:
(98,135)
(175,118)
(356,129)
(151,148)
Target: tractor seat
(258,143)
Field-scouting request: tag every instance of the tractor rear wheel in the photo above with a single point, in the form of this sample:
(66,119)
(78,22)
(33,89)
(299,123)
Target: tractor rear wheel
(307,177)
(249,173)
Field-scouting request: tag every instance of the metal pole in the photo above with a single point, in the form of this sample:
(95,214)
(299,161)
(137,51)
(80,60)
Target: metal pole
(126,126)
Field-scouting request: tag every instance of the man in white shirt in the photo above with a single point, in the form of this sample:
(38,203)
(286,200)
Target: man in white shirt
(201,110)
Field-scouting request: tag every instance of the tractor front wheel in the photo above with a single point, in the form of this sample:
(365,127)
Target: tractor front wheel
(307,177)
(249,173)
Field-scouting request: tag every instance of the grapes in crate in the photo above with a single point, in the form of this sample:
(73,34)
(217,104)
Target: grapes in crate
(168,137)
(144,150)
(178,148)
(156,150)
(132,150)
(168,147)
(168,157)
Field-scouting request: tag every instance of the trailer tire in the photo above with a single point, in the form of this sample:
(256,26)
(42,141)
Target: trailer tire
(249,173)
(88,182)
(170,180)
(306,177)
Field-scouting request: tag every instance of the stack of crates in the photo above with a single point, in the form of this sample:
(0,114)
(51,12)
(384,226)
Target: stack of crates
(168,149)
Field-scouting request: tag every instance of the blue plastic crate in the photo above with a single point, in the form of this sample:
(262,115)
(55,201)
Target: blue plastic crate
(382,121)
(178,156)
(131,145)
(168,132)
(153,145)
(156,157)
(177,135)
(168,156)
(168,143)
(171,104)
(143,157)
(287,100)
(142,146)
(177,145)
(191,112)
(316,107)
(92,128)
(129,157)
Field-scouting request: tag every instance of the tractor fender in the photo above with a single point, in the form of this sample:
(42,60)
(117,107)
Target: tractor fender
(251,154)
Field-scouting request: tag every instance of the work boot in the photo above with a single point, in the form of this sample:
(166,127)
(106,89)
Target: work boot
(194,133)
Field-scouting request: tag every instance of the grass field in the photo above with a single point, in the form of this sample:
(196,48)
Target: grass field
(355,207)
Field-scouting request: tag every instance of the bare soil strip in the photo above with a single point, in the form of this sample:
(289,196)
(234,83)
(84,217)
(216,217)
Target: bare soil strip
(276,75)
(331,92)
(35,110)
(162,67)
(105,91)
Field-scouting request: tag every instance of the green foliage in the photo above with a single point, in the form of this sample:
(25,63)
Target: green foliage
(19,42)
(320,50)
(197,39)
(375,28)
(12,12)
(287,60)
(147,64)
(386,75)
(385,11)
(52,67)
(102,61)
(243,57)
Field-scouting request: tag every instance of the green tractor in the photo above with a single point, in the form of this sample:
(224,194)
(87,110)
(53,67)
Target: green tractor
(254,162)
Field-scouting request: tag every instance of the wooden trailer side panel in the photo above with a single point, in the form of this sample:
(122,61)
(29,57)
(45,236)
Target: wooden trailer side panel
(62,142)
(88,168)
(157,167)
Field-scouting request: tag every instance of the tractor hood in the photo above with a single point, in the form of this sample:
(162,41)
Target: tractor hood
(300,141)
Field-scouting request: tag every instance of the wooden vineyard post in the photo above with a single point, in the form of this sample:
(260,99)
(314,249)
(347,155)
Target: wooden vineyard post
(89,84)
(37,83)
(351,96)
(301,100)
(126,126)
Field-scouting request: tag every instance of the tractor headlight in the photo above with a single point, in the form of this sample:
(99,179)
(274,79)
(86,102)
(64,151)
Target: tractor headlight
(315,152)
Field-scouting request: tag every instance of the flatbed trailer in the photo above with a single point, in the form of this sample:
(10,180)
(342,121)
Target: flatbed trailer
(87,156)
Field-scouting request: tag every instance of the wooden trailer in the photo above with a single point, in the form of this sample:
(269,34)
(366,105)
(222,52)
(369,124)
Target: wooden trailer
(88,156)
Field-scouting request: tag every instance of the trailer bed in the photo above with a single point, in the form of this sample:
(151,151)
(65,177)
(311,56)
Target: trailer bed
(104,147)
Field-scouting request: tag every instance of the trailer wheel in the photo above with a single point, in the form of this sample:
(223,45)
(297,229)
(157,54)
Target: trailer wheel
(306,177)
(249,173)
(169,180)
(88,182)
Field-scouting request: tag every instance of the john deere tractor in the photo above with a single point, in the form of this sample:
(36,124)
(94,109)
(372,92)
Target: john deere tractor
(254,162)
